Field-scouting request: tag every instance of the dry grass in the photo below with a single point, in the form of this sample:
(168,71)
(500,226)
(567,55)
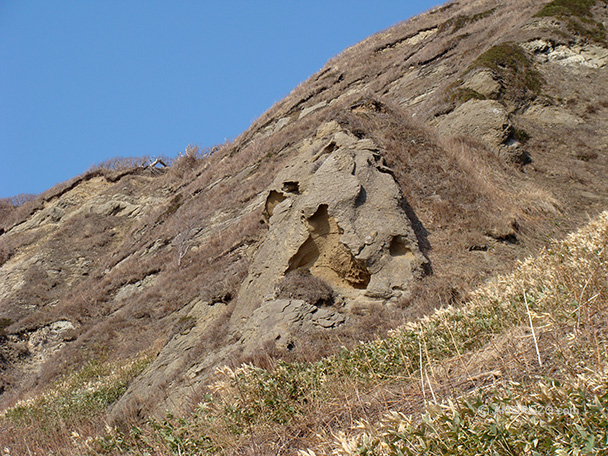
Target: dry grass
(474,214)
(301,284)
(455,363)
(70,412)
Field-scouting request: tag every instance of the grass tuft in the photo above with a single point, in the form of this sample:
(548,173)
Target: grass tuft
(579,16)
(513,67)
(463,95)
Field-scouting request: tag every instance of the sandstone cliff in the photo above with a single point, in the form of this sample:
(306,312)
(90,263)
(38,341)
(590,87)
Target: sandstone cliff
(408,170)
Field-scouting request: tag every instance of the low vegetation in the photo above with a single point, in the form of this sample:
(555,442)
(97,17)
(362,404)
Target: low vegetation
(513,68)
(463,95)
(71,410)
(301,284)
(578,14)
(459,22)
(520,368)
(568,8)
(4,322)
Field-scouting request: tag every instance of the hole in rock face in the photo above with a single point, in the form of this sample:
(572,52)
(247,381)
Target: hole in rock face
(329,148)
(273,199)
(398,247)
(326,257)
(291,187)
(361,197)
(400,251)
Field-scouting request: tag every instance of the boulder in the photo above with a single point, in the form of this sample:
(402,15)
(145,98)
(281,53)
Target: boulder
(277,320)
(483,83)
(484,119)
(337,212)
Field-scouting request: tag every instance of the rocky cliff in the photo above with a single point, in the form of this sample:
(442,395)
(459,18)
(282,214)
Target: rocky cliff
(412,167)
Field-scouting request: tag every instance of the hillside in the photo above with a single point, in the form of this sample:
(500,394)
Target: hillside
(412,169)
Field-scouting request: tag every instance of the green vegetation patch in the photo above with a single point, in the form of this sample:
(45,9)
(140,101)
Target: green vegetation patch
(544,418)
(75,399)
(510,63)
(173,206)
(579,16)
(521,135)
(567,8)
(463,95)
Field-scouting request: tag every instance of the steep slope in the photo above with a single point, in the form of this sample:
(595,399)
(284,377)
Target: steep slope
(520,369)
(407,171)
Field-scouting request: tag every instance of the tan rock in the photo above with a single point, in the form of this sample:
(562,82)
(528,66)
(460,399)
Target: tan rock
(583,55)
(484,119)
(483,82)
(279,319)
(551,115)
(335,211)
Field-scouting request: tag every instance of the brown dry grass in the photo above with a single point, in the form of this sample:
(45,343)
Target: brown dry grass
(368,392)
(473,212)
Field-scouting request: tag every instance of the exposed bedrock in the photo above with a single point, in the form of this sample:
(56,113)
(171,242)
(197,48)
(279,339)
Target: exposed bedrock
(336,211)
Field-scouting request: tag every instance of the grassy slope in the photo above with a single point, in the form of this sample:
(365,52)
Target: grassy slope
(472,354)
(463,380)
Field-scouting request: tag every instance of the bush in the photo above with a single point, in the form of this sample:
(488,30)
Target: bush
(464,94)
(579,17)
(301,284)
(6,253)
(121,163)
(4,323)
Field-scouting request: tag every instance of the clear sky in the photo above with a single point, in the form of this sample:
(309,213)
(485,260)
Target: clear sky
(82,81)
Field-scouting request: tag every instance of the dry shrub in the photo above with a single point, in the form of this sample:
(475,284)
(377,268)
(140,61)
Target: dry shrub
(6,253)
(592,109)
(121,163)
(301,284)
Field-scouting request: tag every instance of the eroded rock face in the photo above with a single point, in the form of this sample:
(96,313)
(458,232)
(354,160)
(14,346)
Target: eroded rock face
(587,55)
(337,212)
(483,82)
(44,342)
(277,320)
(484,119)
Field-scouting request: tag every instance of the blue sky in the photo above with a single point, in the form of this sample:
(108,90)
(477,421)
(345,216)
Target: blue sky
(82,81)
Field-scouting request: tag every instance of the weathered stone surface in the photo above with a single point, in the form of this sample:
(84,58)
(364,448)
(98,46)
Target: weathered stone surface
(278,319)
(151,385)
(311,109)
(335,211)
(552,115)
(485,119)
(126,291)
(44,342)
(483,82)
(585,55)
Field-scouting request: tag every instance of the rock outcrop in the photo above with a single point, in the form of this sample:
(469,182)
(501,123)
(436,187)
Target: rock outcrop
(485,119)
(336,211)
(473,133)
